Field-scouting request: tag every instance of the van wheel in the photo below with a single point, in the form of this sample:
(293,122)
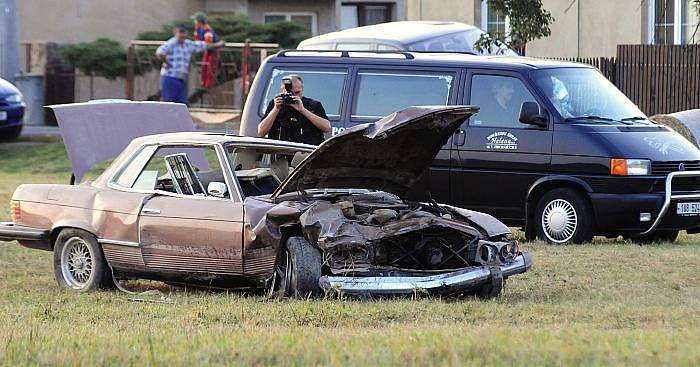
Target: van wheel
(656,236)
(298,270)
(564,216)
(78,262)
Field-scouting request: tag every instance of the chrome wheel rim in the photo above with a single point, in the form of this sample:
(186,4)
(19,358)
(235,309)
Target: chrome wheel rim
(282,277)
(77,263)
(559,221)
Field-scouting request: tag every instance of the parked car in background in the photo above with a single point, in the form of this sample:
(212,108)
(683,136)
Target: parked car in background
(226,211)
(407,35)
(555,148)
(11,110)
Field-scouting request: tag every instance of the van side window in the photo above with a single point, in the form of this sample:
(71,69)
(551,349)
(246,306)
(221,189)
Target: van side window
(383,92)
(323,85)
(499,99)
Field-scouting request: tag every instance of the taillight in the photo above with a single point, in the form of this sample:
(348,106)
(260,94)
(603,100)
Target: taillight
(15,211)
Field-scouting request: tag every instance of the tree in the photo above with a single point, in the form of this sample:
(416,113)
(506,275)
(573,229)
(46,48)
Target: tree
(104,57)
(528,21)
(238,28)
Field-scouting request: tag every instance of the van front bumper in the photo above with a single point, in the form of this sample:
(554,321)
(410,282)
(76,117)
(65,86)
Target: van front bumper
(462,280)
(622,213)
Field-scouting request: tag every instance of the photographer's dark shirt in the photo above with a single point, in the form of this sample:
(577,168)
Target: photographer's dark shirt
(291,125)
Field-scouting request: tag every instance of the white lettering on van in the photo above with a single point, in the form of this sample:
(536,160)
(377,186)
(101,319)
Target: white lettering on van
(663,146)
(337,130)
(502,140)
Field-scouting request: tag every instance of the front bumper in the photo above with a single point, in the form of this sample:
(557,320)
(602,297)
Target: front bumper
(457,281)
(14,115)
(617,213)
(9,232)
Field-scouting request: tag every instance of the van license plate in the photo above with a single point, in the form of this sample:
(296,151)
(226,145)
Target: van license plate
(688,209)
(3,115)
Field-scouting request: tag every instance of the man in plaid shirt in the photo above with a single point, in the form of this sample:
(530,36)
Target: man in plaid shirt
(175,54)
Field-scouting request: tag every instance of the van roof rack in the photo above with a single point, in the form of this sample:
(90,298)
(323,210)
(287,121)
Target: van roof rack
(342,53)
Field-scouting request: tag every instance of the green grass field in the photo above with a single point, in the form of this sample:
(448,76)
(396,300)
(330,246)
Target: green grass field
(606,303)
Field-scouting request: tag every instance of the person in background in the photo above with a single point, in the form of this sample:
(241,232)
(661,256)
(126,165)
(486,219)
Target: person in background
(303,120)
(210,60)
(175,55)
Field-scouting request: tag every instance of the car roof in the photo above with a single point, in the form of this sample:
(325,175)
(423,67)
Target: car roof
(204,137)
(444,59)
(405,32)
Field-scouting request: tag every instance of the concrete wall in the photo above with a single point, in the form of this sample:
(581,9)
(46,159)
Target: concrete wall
(592,28)
(86,20)
(448,10)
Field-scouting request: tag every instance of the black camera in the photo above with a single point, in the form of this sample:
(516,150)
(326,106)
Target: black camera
(287,95)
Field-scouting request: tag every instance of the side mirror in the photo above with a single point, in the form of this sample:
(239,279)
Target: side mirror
(530,114)
(217,189)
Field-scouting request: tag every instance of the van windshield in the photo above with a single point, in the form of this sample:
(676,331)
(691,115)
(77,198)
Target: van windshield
(583,93)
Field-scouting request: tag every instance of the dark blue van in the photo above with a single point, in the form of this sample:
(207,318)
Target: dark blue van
(556,149)
(11,110)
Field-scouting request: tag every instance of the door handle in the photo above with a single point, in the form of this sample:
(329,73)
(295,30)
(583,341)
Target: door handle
(459,137)
(150,211)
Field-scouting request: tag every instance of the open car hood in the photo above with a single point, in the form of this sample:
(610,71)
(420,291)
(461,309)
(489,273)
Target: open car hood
(97,131)
(388,155)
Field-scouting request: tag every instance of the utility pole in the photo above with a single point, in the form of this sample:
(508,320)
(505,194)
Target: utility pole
(9,40)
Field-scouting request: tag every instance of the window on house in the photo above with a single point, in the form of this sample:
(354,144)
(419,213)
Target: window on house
(306,20)
(492,20)
(357,15)
(673,22)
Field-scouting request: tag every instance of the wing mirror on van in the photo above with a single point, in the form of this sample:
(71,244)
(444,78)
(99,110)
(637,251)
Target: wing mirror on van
(530,114)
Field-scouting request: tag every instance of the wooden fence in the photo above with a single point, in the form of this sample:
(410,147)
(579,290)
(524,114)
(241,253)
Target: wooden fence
(657,78)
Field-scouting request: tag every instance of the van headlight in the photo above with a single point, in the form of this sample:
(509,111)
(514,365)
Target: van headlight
(14,98)
(629,167)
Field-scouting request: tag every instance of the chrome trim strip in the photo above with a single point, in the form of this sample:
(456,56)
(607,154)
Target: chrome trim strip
(453,281)
(117,242)
(669,196)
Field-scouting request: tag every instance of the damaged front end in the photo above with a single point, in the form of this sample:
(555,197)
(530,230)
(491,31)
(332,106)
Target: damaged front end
(375,243)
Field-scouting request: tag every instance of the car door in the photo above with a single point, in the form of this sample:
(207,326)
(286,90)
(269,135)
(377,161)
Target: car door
(382,90)
(183,228)
(499,158)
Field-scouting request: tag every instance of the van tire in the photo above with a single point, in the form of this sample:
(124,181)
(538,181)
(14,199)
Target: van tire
(564,216)
(76,251)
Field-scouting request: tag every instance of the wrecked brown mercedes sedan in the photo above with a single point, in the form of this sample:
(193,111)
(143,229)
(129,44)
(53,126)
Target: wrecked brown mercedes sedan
(225,211)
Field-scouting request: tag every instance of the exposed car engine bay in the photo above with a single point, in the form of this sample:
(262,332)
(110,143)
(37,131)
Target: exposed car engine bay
(377,233)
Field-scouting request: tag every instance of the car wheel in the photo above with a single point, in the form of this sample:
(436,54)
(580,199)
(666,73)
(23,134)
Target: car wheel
(79,263)
(564,216)
(656,236)
(11,133)
(298,270)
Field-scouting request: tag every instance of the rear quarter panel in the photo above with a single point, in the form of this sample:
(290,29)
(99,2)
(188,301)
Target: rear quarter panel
(105,213)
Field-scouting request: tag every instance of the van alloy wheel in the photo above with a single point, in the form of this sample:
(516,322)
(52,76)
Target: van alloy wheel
(559,221)
(77,263)
(564,215)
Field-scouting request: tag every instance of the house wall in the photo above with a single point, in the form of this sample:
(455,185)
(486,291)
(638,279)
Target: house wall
(464,11)
(86,20)
(591,28)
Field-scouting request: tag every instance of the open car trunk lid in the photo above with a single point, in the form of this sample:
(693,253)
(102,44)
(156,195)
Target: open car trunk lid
(99,130)
(388,155)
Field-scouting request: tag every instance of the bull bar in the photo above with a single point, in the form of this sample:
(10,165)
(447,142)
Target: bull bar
(668,196)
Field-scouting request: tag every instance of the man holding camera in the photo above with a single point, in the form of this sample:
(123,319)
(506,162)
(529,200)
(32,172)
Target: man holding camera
(292,117)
